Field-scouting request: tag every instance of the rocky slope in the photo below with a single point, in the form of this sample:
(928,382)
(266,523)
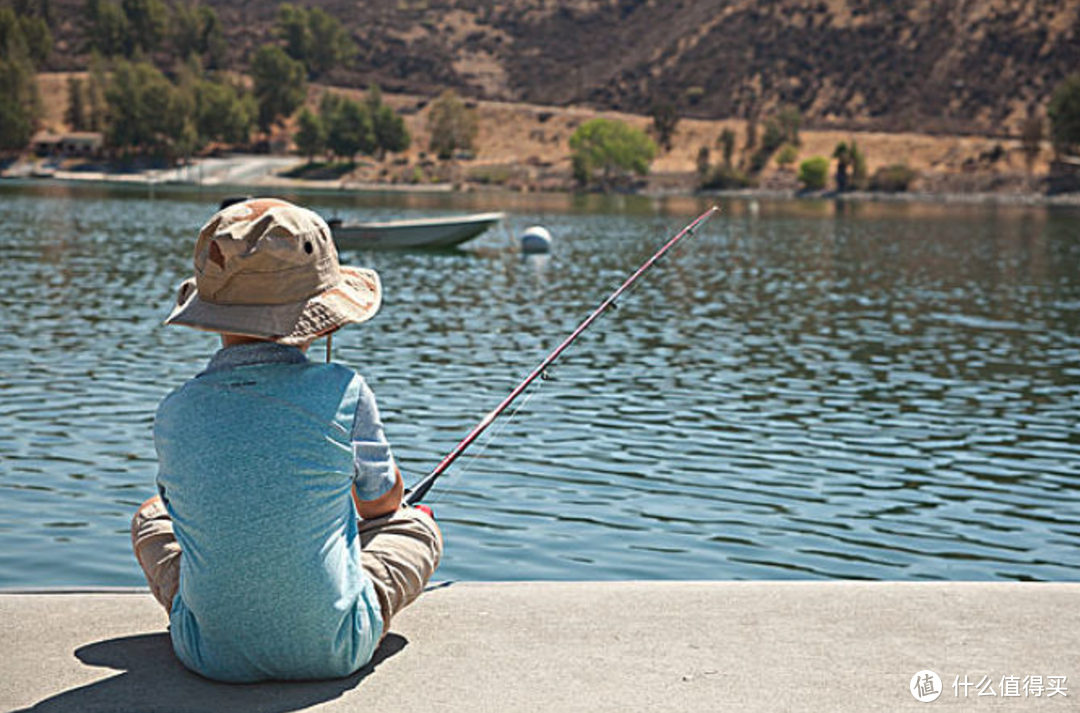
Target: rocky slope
(959,66)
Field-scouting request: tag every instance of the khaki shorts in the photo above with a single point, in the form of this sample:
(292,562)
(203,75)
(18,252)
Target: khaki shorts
(400,553)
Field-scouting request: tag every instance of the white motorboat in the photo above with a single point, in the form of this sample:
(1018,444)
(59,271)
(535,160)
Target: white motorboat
(412,234)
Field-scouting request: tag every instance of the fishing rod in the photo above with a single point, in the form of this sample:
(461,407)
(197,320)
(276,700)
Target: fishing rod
(418,491)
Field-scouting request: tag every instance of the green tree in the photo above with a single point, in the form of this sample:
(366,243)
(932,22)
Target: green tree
(391,135)
(147,114)
(776,134)
(20,104)
(314,37)
(814,172)
(186,140)
(212,40)
(223,113)
(842,154)
(26,38)
(665,119)
(726,141)
(859,178)
(96,106)
(330,43)
(702,164)
(1064,113)
(108,29)
(788,121)
(38,39)
(787,156)
(292,28)
(349,130)
(452,125)
(185,33)
(11,38)
(147,20)
(607,150)
(279,84)
(196,31)
(373,98)
(37,8)
(76,114)
(310,134)
(1031,138)
(751,135)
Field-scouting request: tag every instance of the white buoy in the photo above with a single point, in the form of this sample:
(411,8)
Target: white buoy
(535,239)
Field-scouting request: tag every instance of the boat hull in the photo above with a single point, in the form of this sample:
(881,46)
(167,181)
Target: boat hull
(414,234)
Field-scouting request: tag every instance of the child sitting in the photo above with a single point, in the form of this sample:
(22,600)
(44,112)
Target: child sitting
(278,543)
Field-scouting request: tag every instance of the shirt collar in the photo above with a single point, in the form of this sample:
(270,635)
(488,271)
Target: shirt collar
(252,353)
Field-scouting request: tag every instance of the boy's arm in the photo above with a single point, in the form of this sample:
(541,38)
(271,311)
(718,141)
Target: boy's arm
(385,503)
(377,483)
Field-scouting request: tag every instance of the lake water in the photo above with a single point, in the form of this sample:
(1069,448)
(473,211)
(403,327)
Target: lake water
(803,390)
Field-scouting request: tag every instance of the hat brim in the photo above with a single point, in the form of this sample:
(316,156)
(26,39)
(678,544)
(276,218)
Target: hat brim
(355,299)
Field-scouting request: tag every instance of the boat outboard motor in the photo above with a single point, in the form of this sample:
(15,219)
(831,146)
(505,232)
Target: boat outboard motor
(232,200)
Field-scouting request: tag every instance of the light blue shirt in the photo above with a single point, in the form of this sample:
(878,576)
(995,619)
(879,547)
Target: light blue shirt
(257,458)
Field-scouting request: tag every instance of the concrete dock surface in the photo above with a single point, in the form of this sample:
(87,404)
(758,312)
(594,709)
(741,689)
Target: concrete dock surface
(591,646)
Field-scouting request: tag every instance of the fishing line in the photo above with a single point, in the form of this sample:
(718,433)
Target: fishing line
(420,489)
(471,461)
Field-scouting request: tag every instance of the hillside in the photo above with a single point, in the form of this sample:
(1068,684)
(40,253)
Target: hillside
(973,66)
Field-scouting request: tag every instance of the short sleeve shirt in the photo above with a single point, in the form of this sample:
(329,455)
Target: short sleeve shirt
(258,456)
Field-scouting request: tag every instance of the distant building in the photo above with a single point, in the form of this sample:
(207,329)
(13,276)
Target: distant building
(82,144)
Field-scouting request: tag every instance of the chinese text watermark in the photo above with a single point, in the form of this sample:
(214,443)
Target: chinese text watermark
(926,686)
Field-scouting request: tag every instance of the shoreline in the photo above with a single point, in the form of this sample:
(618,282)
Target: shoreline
(262,172)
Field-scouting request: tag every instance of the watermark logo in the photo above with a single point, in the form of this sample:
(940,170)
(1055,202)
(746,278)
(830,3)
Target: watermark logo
(926,686)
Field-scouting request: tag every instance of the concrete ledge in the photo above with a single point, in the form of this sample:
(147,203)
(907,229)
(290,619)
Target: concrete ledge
(618,646)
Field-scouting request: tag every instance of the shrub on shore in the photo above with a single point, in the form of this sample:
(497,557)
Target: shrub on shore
(814,172)
(605,152)
(896,178)
(787,156)
(726,178)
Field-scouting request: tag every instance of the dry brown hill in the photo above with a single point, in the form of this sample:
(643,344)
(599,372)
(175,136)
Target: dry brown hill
(929,65)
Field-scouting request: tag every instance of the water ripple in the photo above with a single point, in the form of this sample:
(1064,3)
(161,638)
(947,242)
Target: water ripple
(886,392)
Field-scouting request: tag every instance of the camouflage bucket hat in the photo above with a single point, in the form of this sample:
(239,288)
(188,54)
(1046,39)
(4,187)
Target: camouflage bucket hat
(269,269)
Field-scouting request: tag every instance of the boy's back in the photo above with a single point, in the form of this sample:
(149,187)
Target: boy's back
(278,542)
(256,467)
